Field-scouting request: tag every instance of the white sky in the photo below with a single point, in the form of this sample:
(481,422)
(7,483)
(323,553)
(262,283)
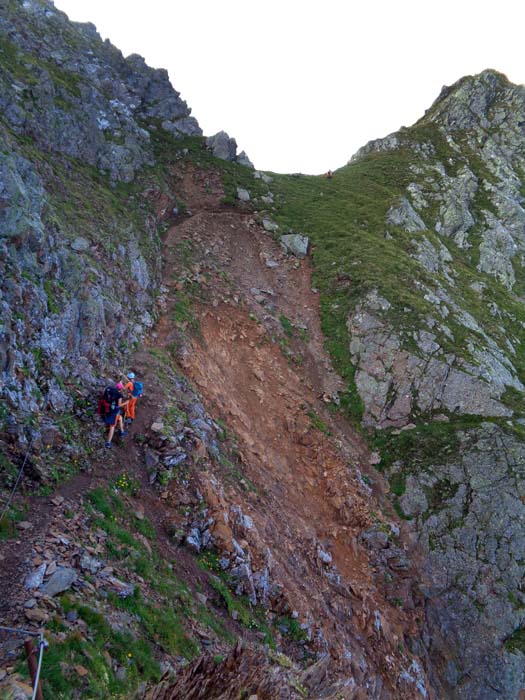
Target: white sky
(301,85)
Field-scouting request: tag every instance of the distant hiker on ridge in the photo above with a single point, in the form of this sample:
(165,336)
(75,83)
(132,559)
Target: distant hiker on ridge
(134,389)
(110,409)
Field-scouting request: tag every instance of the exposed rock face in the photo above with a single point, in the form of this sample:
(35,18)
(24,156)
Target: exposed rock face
(470,515)
(60,306)
(75,94)
(394,383)
(404,215)
(78,268)
(461,218)
(225,148)
(473,199)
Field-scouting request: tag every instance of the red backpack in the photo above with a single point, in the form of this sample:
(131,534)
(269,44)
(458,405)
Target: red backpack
(108,402)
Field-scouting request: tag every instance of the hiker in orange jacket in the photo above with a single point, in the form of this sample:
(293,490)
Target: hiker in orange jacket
(134,390)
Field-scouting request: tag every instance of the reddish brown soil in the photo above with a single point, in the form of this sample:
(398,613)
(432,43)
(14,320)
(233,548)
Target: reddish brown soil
(307,488)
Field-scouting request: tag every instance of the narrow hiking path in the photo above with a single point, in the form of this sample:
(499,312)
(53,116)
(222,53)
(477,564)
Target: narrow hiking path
(243,321)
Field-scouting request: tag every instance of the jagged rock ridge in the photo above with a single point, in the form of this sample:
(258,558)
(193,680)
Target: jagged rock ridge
(70,101)
(77,95)
(461,218)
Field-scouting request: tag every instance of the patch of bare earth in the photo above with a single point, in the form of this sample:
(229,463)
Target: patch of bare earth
(310,504)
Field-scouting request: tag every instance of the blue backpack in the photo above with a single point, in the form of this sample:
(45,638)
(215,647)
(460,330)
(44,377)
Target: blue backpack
(138,388)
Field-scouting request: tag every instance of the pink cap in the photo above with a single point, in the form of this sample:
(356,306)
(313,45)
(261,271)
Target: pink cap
(119,385)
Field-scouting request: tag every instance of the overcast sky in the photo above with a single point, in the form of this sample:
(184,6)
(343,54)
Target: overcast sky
(301,85)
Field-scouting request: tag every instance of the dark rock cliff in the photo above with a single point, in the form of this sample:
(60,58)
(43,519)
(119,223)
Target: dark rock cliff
(451,376)
(79,248)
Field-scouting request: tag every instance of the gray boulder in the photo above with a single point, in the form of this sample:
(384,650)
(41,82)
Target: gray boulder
(80,244)
(242,159)
(59,582)
(35,578)
(270,225)
(225,148)
(243,195)
(222,146)
(295,244)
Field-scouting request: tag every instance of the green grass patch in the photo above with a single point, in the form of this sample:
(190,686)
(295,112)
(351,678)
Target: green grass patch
(516,642)
(252,618)
(238,607)
(427,444)
(398,484)
(292,627)
(318,423)
(182,312)
(8,470)
(93,649)
(127,484)
(161,624)
(233,470)
(287,326)
(207,618)
(8,523)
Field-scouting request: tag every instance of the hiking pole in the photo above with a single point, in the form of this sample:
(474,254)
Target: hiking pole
(34,668)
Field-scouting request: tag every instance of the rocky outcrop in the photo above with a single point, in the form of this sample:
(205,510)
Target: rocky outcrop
(295,244)
(61,295)
(72,93)
(456,352)
(225,148)
(466,189)
(469,512)
(243,668)
(395,383)
(79,257)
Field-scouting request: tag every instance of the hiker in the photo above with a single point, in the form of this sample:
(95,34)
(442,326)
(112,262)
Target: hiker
(134,389)
(110,408)
(329,175)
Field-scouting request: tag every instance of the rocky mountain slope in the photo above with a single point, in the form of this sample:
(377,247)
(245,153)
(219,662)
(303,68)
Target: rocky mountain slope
(420,270)
(323,493)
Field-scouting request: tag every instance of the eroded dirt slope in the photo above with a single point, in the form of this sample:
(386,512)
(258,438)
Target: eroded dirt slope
(288,504)
(258,359)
